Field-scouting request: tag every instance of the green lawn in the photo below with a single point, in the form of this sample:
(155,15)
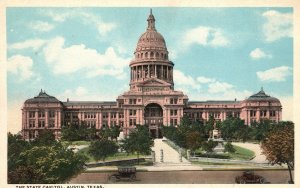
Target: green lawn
(241,153)
(117,156)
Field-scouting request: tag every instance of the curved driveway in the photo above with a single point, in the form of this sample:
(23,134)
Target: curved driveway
(259,157)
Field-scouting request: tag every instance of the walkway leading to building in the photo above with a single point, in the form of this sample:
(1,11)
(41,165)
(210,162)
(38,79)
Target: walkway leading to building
(259,157)
(170,154)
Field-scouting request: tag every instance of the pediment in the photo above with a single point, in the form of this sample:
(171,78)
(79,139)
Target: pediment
(154,82)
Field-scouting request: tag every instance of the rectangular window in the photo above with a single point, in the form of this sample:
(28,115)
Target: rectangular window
(113,115)
(41,123)
(41,114)
(252,113)
(51,123)
(132,112)
(105,115)
(263,113)
(272,113)
(121,115)
(32,114)
(31,123)
(51,114)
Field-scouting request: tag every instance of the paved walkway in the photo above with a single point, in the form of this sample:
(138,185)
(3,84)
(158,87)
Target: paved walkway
(259,157)
(170,154)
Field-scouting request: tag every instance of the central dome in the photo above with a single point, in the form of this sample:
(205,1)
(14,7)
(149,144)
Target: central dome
(151,39)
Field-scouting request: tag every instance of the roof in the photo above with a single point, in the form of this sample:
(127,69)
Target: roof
(214,102)
(151,38)
(261,96)
(73,103)
(43,97)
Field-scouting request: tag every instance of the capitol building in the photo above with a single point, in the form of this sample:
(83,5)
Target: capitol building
(151,99)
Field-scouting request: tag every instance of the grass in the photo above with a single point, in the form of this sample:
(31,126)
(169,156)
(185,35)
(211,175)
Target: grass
(241,153)
(117,156)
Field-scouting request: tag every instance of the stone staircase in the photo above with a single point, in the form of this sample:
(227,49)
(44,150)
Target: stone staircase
(170,155)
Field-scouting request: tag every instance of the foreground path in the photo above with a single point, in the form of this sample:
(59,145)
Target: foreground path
(259,157)
(170,154)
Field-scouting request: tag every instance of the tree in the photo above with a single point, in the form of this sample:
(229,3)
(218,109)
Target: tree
(45,137)
(138,141)
(278,146)
(46,164)
(76,132)
(102,148)
(193,140)
(115,132)
(209,146)
(209,126)
(16,145)
(229,148)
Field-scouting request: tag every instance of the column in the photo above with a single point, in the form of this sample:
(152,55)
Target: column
(167,73)
(143,74)
(97,120)
(26,125)
(257,115)
(46,118)
(108,119)
(59,119)
(155,74)
(36,118)
(56,119)
(268,114)
(117,118)
(161,71)
(100,120)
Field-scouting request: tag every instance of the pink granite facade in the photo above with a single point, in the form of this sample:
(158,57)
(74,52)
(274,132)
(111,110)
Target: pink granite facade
(151,99)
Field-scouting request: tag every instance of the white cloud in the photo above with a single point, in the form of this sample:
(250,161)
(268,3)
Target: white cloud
(259,54)
(87,18)
(219,87)
(83,94)
(277,25)
(41,26)
(35,44)
(276,74)
(21,66)
(185,80)
(73,58)
(205,80)
(205,36)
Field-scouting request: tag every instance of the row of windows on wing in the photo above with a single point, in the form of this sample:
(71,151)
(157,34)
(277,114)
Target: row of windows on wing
(91,124)
(41,114)
(134,101)
(151,55)
(41,123)
(262,113)
(92,115)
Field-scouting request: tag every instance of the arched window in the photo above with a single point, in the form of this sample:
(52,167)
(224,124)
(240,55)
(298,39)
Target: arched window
(138,55)
(162,55)
(156,55)
(142,55)
(151,55)
(146,55)
(165,56)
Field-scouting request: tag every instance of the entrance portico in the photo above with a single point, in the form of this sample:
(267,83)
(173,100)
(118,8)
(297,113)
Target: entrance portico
(153,115)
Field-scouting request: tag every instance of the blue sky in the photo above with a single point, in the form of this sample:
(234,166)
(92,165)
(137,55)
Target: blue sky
(84,53)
